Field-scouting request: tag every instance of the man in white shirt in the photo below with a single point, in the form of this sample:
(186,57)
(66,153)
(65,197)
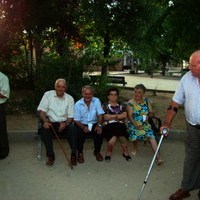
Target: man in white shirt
(188,93)
(56,109)
(4,95)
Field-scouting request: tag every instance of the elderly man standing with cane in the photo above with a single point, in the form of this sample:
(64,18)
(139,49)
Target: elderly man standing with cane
(188,93)
(56,110)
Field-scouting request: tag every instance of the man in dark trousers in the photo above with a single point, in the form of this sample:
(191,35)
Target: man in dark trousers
(56,110)
(188,93)
(4,95)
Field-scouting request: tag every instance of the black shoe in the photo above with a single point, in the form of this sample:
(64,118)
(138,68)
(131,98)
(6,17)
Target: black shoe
(98,156)
(128,158)
(73,160)
(80,158)
(50,161)
(107,158)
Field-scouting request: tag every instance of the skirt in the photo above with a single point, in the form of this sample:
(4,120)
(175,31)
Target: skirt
(114,129)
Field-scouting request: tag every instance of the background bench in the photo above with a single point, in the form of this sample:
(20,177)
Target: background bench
(111,79)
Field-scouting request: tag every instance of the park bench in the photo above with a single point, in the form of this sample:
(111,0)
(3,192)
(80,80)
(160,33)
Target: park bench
(112,79)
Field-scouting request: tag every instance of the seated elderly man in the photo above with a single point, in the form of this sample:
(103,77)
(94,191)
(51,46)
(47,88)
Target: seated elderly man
(56,110)
(88,116)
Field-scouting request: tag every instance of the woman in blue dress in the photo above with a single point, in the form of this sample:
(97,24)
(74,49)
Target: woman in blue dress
(139,109)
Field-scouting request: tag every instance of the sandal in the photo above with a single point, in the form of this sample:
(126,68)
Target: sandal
(160,162)
(128,158)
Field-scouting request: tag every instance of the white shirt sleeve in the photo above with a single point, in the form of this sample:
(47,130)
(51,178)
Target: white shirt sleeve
(43,106)
(71,108)
(4,87)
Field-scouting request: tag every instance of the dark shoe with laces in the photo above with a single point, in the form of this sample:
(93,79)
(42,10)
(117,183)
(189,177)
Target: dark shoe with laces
(50,161)
(179,195)
(99,157)
(80,158)
(107,158)
(127,157)
(73,160)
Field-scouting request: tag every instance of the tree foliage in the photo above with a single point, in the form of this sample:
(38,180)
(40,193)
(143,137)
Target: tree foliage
(64,37)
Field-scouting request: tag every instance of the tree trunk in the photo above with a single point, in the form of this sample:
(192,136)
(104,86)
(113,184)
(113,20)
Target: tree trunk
(107,45)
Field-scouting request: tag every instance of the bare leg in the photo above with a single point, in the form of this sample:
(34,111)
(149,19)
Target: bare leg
(124,145)
(135,148)
(154,147)
(110,145)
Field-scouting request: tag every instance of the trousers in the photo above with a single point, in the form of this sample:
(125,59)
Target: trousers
(191,168)
(48,134)
(97,139)
(4,143)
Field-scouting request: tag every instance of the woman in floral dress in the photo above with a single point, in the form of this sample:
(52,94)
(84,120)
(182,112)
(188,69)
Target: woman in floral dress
(139,108)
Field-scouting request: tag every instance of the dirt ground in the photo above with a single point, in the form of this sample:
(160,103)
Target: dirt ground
(25,177)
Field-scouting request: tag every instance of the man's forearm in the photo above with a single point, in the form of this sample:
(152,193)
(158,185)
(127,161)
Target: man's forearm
(100,119)
(43,116)
(171,113)
(69,121)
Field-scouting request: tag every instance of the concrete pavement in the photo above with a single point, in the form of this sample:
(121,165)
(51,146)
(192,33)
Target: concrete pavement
(158,82)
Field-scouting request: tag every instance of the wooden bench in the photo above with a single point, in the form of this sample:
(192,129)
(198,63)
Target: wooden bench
(111,79)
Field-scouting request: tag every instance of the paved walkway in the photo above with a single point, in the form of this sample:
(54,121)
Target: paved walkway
(155,83)
(158,82)
(23,177)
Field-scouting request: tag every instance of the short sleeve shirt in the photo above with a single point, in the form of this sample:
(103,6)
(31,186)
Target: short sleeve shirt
(85,114)
(4,87)
(57,109)
(188,93)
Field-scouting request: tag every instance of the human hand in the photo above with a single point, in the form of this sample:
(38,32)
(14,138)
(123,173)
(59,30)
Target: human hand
(98,129)
(164,130)
(62,126)
(85,129)
(47,125)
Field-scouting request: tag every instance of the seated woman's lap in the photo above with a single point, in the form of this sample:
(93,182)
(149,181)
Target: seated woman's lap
(114,129)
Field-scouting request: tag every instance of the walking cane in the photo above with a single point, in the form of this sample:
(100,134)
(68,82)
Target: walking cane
(62,148)
(164,132)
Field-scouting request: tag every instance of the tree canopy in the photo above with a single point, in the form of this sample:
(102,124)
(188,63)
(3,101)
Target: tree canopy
(84,31)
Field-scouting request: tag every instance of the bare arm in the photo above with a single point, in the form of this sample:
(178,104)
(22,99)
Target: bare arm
(130,118)
(108,117)
(171,113)
(98,128)
(151,113)
(44,119)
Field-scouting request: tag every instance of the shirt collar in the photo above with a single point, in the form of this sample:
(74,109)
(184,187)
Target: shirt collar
(83,102)
(63,97)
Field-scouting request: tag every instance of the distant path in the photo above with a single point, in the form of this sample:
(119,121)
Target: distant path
(152,83)
(156,83)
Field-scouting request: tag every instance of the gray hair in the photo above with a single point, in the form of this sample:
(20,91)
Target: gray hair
(60,80)
(87,87)
(140,86)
